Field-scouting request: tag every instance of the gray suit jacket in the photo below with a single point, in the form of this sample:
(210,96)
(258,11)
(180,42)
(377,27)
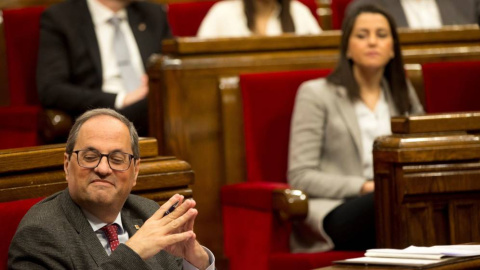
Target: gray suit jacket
(325,159)
(55,234)
(452,12)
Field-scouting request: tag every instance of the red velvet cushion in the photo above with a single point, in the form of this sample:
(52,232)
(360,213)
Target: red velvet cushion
(268,100)
(22,30)
(338,12)
(11,213)
(185,18)
(451,86)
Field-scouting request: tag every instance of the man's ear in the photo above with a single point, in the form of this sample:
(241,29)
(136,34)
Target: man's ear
(66,161)
(136,170)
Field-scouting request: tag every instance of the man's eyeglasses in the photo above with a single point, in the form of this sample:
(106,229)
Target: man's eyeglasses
(118,161)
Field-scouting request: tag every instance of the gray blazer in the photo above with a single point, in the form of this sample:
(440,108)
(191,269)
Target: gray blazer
(452,12)
(325,159)
(54,234)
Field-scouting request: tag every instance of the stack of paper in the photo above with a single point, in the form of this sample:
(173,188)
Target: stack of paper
(415,256)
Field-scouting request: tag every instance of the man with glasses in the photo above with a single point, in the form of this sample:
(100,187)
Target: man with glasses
(96,223)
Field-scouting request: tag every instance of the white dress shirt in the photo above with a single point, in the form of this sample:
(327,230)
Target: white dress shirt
(112,81)
(227,19)
(372,124)
(422,13)
(97,224)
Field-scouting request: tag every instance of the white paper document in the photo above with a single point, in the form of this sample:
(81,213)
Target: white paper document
(434,252)
(415,256)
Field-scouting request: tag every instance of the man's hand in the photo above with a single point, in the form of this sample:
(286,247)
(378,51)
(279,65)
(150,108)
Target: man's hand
(174,233)
(190,249)
(138,94)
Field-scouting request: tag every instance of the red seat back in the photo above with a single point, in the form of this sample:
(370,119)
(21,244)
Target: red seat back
(185,18)
(11,213)
(338,12)
(22,31)
(451,86)
(268,100)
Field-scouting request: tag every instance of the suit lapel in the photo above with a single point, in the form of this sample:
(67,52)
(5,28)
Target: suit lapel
(78,221)
(345,107)
(86,28)
(141,31)
(448,12)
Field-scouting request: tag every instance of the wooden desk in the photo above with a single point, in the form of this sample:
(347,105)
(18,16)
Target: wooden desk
(461,264)
(427,181)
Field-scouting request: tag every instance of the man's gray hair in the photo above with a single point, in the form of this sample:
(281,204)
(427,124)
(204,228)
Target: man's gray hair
(72,137)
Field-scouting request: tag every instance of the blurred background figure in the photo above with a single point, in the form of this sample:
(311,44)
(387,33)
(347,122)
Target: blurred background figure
(92,54)
(334,124)
(427,13)
(240,18)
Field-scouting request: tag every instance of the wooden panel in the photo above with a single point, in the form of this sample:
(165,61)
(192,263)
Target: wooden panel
(464,221)
(419,225)
(427,186)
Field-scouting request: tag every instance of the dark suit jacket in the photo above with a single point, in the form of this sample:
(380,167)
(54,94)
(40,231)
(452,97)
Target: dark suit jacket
(55,234)
(69,71)
(452,12)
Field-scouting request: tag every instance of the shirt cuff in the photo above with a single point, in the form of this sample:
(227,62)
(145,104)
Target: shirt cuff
(119,100)
(211,260)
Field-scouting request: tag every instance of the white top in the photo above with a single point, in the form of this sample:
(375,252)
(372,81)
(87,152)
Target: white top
(422,13)
(97,225)
(227,19)
(112,81)
(372,125)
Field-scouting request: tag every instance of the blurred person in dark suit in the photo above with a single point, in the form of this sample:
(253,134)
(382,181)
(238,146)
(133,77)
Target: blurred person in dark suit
(93,53)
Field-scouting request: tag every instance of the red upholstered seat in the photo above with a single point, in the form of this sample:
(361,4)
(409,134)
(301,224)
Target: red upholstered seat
(11,214)
(254,238)
(338,12)
(185,18)
(451,86)
(19,120)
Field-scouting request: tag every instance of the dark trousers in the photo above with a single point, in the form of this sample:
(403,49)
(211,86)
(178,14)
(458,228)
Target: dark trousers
(352,224)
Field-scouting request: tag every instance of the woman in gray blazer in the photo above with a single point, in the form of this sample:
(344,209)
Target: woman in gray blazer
(334,123)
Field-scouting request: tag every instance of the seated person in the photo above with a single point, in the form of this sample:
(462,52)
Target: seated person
(242,18)
(95,223)
(92,54)
(427,13)
(334,124)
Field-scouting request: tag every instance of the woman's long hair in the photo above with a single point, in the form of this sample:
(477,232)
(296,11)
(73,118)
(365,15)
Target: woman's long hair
(394,71)
(285,15)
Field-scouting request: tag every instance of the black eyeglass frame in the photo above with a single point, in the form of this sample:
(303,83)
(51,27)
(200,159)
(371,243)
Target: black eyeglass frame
(130,156)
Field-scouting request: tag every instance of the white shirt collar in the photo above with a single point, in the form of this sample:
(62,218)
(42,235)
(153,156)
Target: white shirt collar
(101,14)
(97,224)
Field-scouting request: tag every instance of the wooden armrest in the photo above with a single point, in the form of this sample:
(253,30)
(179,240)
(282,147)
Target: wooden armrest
(54,126)
(290,204)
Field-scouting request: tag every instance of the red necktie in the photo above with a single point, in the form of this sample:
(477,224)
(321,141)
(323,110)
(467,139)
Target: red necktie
(112,236)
